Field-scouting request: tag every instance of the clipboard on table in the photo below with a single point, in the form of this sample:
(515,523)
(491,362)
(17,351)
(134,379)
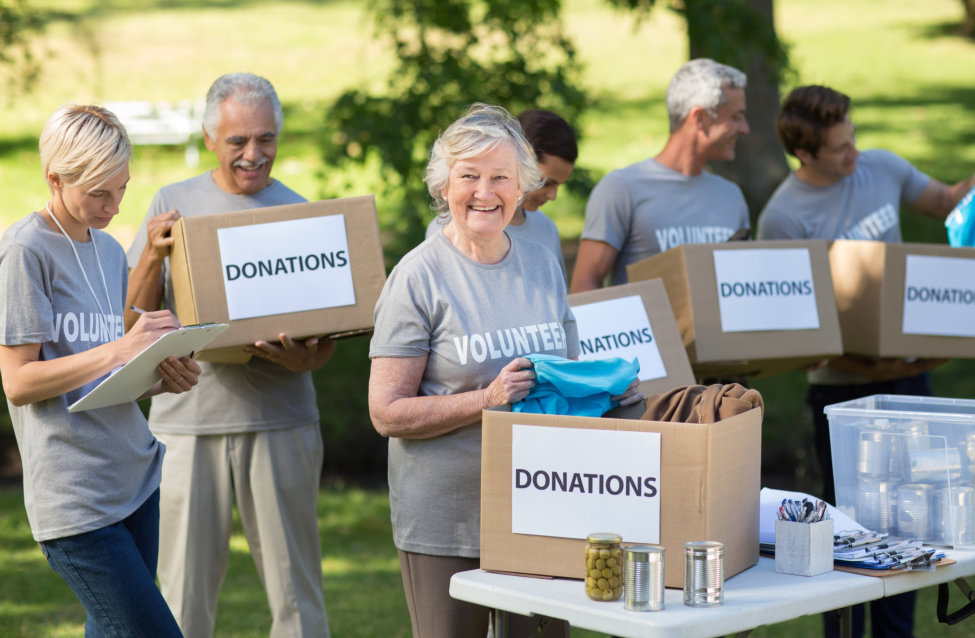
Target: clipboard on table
(130,381)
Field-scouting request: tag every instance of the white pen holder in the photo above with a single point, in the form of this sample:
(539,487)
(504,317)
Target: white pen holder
(804,549)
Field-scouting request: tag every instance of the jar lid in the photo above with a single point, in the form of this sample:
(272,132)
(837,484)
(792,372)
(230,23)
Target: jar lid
(604,538)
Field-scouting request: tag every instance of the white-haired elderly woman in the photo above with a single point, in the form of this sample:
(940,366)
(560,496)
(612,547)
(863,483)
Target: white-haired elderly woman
(454,322)
(91,478)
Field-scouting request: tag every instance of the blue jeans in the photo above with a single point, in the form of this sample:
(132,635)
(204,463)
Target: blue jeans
(112,571)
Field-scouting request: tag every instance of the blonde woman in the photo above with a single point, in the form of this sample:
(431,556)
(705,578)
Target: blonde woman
(91,479)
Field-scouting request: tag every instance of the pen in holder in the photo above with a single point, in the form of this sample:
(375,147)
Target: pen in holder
(804,549)
(803,538)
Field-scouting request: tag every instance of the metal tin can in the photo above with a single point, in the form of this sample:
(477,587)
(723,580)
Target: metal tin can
(970,447)
(875,504)
(914,509)
(604,566)
(873,455)
(956,515)
(934,465)
(643,570)
(703,573)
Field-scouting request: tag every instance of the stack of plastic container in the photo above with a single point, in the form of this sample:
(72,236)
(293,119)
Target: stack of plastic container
(905,465)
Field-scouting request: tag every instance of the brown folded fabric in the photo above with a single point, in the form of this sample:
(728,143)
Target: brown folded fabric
(702,403)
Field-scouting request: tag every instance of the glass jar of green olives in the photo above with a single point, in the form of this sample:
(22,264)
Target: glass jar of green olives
(604,566)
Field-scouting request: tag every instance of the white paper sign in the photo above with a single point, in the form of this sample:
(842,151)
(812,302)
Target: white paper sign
(570,482)
(288,266)
(765,289)
(619,328)
(939,296)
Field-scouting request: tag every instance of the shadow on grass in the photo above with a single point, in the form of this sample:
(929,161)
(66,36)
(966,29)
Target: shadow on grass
(941,30)
(937,139)
(362,588)
(10,146)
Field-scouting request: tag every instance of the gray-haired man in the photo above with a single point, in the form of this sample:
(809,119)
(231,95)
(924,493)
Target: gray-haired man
(252,435)
(669,200)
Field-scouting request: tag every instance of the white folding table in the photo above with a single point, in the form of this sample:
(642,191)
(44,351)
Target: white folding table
(758,596)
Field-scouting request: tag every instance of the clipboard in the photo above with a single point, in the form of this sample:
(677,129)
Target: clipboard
(130,381)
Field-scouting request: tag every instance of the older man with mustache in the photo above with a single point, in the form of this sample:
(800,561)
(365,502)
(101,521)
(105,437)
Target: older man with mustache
(252,435)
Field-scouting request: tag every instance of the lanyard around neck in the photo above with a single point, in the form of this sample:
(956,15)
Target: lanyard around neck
(98,261)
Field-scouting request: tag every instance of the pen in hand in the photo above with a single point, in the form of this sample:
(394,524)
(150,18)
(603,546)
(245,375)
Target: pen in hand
(137,309)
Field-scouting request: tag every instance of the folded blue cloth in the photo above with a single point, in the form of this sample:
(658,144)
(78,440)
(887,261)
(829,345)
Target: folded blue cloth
(577,388)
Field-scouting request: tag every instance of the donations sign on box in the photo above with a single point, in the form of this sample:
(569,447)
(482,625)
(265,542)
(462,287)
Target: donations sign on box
(939,296)
(749,308)
(286,266)
(633,321)
(766,289)
(311,269)
(570,482)
(905,300)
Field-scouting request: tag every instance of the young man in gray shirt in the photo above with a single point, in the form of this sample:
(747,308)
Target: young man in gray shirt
(669,200)
(840,193)
(252,434)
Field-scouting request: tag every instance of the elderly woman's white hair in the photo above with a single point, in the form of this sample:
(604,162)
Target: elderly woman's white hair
(83,144)
(246,88)
(478,131)
(700,83)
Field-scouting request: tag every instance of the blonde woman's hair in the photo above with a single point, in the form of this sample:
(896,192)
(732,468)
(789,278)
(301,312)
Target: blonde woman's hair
(479,131)
(84,144)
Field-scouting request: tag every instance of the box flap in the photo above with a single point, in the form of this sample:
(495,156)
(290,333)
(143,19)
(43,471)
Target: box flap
(179,261)
(670,267)
(857,269)
(664,327)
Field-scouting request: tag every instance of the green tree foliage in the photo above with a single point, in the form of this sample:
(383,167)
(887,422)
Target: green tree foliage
(17,23)
(451,53)
(730,31)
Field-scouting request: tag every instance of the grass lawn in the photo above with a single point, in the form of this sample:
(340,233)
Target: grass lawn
(363,592)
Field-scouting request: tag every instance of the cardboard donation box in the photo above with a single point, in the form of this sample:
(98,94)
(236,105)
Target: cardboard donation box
(905,300)
(752,308)
(547,481)
(312,269)
(633,320)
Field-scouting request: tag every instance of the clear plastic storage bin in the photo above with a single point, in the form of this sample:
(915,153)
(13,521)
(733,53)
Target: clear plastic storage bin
(905,465)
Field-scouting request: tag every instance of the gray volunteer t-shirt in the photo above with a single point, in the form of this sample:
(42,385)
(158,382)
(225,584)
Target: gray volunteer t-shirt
(229,398)
(647,208)
(538,227)
(865,206)
(471,320)
(90,469)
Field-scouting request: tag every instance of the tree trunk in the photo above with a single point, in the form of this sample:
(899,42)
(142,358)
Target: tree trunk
(760,164)
(968,26)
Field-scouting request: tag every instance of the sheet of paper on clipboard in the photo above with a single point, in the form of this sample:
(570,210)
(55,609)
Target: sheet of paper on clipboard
(130,381)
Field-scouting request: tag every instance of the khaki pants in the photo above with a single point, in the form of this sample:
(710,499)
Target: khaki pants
(273,476)
(434,614)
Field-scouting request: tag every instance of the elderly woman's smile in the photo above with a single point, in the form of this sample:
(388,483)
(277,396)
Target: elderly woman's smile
(483,192)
